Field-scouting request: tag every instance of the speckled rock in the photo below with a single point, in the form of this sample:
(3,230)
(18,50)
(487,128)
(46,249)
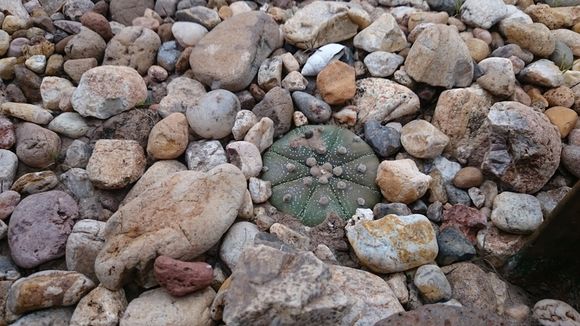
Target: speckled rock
(383,34)
(116,163)
(391,244)
(516,213)
(35,182)
(52,89)
(550,198)
(542,73)
(440,46)
(27,112)
(157,171)
(229,56)
(108,90)
(536,37)
(401,181)
(214,115)
(190,202)
(169,137)
(483,14)
(423,140)
(246,156)
(316,110)
(382,64)
(36,146)
(467,219)
(51,288)
(298,288)
(8,201)
(85,44)
(515,129)
(181,278)
(471,286)
(384,140)
(499,246)
(151,307)
(101,307)
(323,22)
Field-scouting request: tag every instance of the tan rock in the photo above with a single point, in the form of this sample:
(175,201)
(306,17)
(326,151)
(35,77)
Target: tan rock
(336,82)
(468,177)
(156,172)
(384,34)
(571,38)
(560,96)
(536,37)
(169,137)
(116,163)
(181,216)
(421,17)
(101,307)
(553,19)
(27,112)
(478,49)
(423,140)
(563,118)
(401,181)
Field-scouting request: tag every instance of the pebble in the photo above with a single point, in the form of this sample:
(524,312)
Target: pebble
(466,219)
(384,140)
(336,82)
(36,147)
(35,182)
(246,156)
(204,155)
(570,38)
(115,164)
(181,278)
(54,316)
(388,245)
(316,110)
(476,196)
(423,140)
(28,82)
(563,118)
(7,169)
(8,201)
(168,54)
(498,78)
(401,181)
(8,271)
(98,23)
(214,115)
(75,9)
(86,44)
(276,105)
(75,69)
(199,14)
(69,124)
(291,238)
(560,96)
(432,284)
(384,34)
(192,201)
(260,190)
(270,73)
(36,63)
(52,89)
(516,213)
(83,245)
(245,119)
(188,34)
(99,307)
(239,237)
(383,64)
(453,247)
(294,81)
(77,155)
(169,137)
(542,73)
(468,177)
(550,312)
(7,67)
(27,112)
(471,286)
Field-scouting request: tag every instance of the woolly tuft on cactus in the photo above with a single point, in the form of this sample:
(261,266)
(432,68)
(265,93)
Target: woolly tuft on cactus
(321,170)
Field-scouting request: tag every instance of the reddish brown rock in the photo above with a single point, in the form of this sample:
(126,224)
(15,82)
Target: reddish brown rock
(98,23)
(468,220)
(180,278)
(468,177)
(336,82)
(7,136)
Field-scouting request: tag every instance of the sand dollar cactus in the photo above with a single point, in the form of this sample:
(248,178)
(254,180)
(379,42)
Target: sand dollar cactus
(321,170)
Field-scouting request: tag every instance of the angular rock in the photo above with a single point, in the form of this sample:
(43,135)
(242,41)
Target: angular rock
(276,105)
(108,90)
(384,140)
(124,11)
(239,236)
(453,247)
(542,73)
(391,244)
(382,64)
(383,34)
(133,46)
(229,56)
(197,209)
(100,307)
(498,77)
(261,134)
(401,181)
(336,82)
(116,163)
(181,278)
(466,219)
(204,155)
(270,73)
(423,140)
(471,286)
(483,14)
(246,156)
(83,245)
(440,46)
(52,89)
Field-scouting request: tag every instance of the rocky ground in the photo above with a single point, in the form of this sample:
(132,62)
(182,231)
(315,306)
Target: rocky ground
(193,162)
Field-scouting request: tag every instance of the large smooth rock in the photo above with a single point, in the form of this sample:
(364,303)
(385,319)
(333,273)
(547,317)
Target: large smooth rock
(101,307)
(133,46)
(323,22)
(214,115)
(393,243)
(108,90)
(157,307)
(156,172)
(549,312)
(384,34)
(229,56)
(116,163)
(524,150)
(169,137)
(296,288)
(423,140)
(85,44)
(40,226)
(383,100)
(196,210)
(46,289)
(440,46)
(15,8)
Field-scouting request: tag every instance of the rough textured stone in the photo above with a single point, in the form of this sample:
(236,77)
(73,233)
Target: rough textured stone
(35,182)
(542,73)
(483,14)
(108,90)
(229,56)
(53,317)
(8,201)
(383,34)
(467,219)
(499,246)
(116,163)
(570,38)
(551,312)
(130,125)
(39,227)
(204,155)
(239,236)
(516,213)
(46,289)
(246,156)
(323,22)
(124,11)
(401,181)
(82,246)
(133,46)
(101,307)
(298,288)
(536,37)
(471,286)
(85,44)
(336,82)
(152,307)
(169,137)
(440,46)
(8,167)
(198,208)
(182,93)
(393,243)
(382,64)
(453,246)
(423,140)
(27,112)
(524,149)
(7,136)
(181,278)
(498,77)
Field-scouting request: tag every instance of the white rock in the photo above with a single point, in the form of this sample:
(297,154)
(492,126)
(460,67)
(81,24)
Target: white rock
(187,33)
(246,156)
(319,59)
(36,63)
(483,14)
(383,34)
(382,64)
(551,312)
(52,89)
(261,134)
(239,236)
(260,190)
(101,307)
(401,181)
(204,155)
(516,213)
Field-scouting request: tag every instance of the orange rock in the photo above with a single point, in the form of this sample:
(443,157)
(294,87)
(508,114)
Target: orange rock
(563,118)
(336,82)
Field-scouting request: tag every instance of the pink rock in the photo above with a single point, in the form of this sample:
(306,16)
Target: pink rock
(468,220)
(180,278)
(8,201)
(7,137)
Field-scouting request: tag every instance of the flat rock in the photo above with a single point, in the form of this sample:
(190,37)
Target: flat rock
(116,163)
(440,46)
(391,244)
(197,209)
(101,306)
(27,112)
(229,56)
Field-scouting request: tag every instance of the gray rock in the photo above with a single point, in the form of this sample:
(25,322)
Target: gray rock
(77,155)
(124,11)
(562,56)
(276,105)
(383,64)
(204,155)
(471,286)
(498,77)
(135,47)
(15,8)
(432,284)
(8,201)
(316,110)
(562,3)
(239,237)
(453,247)
(229,56)
(260,190)
(168,55)
(384,140)
(85,44)
(509,50)
(214,115)
(69,124)
(52,317)
(549,199)
(8,271)
(182,93)
(270,73)
(516,213)
(571,159)
(449,6)
(83,246)
(199,14)
(8,167)
(542,73)
(483,14)
(74,9)
(166,8)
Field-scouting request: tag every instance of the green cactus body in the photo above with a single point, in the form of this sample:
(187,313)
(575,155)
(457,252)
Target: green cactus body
(319,170)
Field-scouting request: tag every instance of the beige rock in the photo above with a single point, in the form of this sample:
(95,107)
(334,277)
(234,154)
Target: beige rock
(51,288)
(261,134)
(560,96)
(571,38)
(154,173)
(182,93)
(401,181)
(336,83)
(536,37)
(383,34)
(553,19)
(246,156)
(35,182)
(551,312)
(27,112)
(196,210)
(468,177)
(323,22)
(423,140)
(563,118)
(169,137)
(52,89)
(440,46)
(499,246)
(471,286)
(420,17)
(83,245)
(153,307)
(478,49)
(116,163)
(101,307)
(134,47)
